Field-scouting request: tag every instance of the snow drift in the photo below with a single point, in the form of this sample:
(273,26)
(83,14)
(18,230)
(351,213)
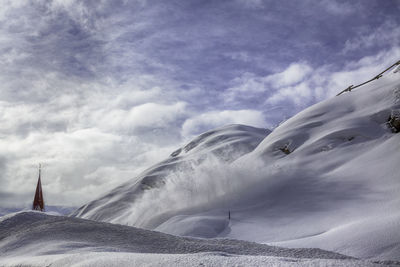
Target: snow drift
(326,178)
(37,239)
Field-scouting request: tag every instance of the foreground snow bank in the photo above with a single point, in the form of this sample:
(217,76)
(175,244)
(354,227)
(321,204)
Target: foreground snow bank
(109,259)
(37,239)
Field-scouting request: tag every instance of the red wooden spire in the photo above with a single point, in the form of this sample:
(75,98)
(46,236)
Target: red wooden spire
(38,201)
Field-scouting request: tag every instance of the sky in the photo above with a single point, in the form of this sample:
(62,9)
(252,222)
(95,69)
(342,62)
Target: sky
(97,91)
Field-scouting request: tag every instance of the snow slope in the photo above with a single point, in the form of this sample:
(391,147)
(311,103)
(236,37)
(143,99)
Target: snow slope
(339,189)
(326,178)
(38,239)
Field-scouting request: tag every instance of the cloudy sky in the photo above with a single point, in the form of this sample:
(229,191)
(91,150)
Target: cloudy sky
(99,90)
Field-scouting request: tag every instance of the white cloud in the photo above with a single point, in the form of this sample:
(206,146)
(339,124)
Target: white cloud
(388,33)
(325,82)
(69,126)
(338,8)
(148,116)
(250,86)
(77,165)
(295,73)
(300,85)
(251,3)
(296,94)
(245,85)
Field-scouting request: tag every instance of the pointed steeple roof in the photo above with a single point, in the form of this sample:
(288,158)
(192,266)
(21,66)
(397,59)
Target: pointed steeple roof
(38,201)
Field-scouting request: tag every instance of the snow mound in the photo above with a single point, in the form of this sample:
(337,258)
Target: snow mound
(36,239)
(326,178)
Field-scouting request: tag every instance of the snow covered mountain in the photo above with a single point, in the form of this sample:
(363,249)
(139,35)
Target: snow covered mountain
(326,178)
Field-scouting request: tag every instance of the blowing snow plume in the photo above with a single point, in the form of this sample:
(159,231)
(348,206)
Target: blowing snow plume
(326,178)
(194,176)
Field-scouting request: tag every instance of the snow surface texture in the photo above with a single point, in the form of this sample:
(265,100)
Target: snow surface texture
(38,239)
(326,178)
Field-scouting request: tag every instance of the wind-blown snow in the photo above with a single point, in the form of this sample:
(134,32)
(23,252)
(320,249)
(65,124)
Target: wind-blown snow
(326,178)
(37,239)
(131,202)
